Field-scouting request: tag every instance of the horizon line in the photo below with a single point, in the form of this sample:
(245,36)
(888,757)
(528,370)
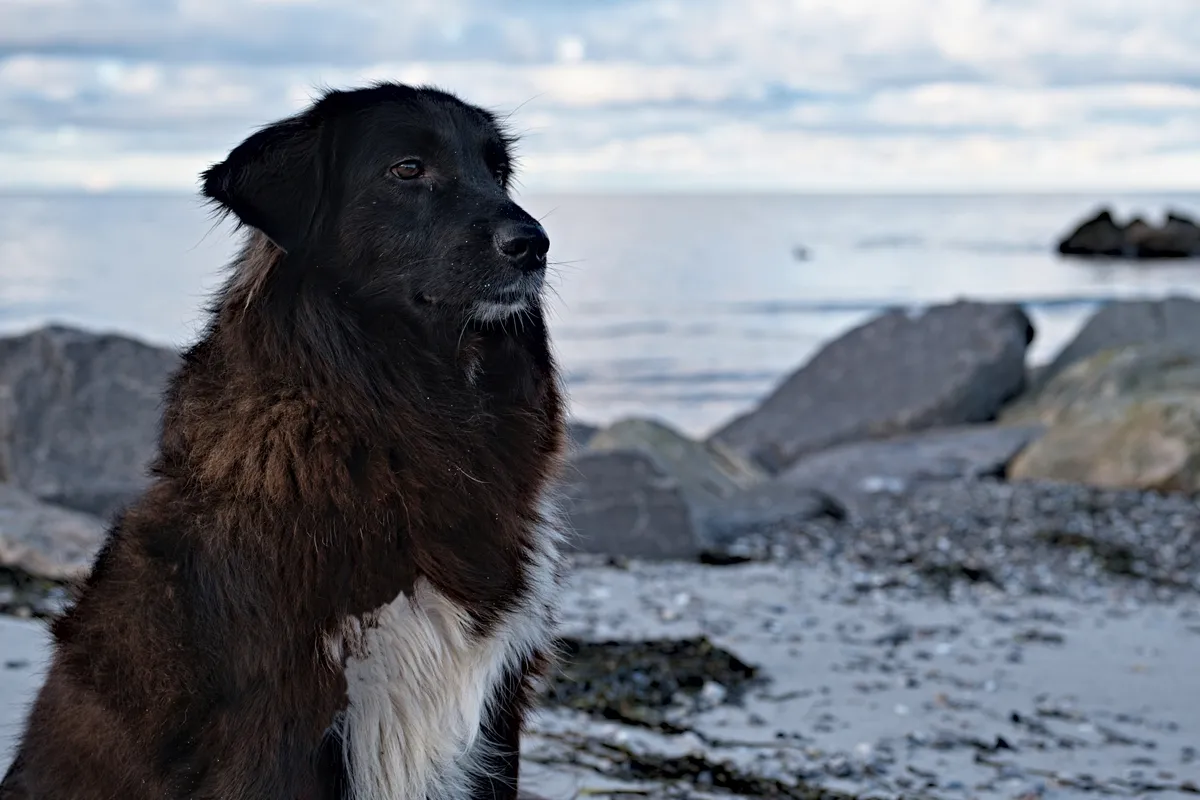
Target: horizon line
(677,190)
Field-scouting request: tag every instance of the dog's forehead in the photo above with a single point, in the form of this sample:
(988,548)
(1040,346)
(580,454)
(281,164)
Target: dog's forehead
(428,124)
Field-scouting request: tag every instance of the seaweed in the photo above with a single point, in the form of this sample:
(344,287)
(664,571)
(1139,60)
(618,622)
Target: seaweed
(644,682)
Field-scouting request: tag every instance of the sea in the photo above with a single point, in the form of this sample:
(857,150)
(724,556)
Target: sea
(687,308)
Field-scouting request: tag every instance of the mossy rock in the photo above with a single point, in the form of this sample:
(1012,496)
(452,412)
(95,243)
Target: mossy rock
(707,472)
(1125,418)
(1151,445)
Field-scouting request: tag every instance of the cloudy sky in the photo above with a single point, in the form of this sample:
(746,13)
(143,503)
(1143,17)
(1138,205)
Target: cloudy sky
(631,94)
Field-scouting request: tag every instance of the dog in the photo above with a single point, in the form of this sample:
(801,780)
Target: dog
(342,579)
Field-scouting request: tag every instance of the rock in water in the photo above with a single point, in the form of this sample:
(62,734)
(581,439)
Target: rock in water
(1129,322)
(83,415)
(1102,236)
(1098,236)
(954,364)
(622,503)
(45,541)
(1178,238)
(1124,418)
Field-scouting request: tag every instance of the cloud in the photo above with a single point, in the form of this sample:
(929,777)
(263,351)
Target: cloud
(637,93)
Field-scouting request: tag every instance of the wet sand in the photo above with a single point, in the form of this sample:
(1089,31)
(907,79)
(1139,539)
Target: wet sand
(986,696)
(870,692)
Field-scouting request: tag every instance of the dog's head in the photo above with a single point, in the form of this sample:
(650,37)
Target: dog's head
(402,191)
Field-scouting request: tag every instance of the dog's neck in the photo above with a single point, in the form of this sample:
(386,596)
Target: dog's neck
(285,363)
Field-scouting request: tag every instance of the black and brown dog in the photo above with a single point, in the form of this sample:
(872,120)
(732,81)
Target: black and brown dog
(342,579)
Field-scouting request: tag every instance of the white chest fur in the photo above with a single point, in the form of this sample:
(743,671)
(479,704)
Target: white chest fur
(419,683)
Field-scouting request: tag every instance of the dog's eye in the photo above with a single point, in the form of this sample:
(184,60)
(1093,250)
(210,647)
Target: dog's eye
(408,169)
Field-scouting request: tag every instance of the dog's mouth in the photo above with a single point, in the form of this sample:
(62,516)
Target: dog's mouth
(511,301)
(491,306)
(490,309)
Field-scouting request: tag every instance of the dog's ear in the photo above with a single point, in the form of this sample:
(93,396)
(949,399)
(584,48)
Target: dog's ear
(272,180)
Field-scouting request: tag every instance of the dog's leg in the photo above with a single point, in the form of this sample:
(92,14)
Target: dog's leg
(500,770)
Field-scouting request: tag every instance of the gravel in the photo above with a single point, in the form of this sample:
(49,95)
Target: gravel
(1020,538)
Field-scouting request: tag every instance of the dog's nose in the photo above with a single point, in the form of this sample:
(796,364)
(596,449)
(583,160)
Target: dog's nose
(523,243)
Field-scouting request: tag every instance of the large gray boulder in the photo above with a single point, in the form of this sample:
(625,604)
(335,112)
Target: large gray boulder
(82,415)
(46,541)
(851,473)
(623,503)
(842,480)
(773,502)
(1129,322)
(644,490)
(953,364)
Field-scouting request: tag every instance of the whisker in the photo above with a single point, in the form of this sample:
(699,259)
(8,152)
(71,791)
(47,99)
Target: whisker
(522,105)
(463,332)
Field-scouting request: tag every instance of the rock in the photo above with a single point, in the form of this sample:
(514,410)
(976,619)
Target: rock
(8,416)
(851,472)
(1129,322)
(83,415)
(1103,236)
(579,434)
(1124,418)
(1104,385)
(1098,236)
(840,481)
(1136,231)
(714,482)
(622,503)
(45,541)
(1151,445)
(707,472)
(775,502)
(954,364)
(1178,238)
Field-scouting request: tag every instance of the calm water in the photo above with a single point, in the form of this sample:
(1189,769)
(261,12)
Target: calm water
(684,307)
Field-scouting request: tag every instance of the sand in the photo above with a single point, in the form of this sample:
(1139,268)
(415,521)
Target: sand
(979,695)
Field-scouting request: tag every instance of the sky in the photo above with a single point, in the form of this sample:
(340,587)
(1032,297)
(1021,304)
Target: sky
(630,95)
